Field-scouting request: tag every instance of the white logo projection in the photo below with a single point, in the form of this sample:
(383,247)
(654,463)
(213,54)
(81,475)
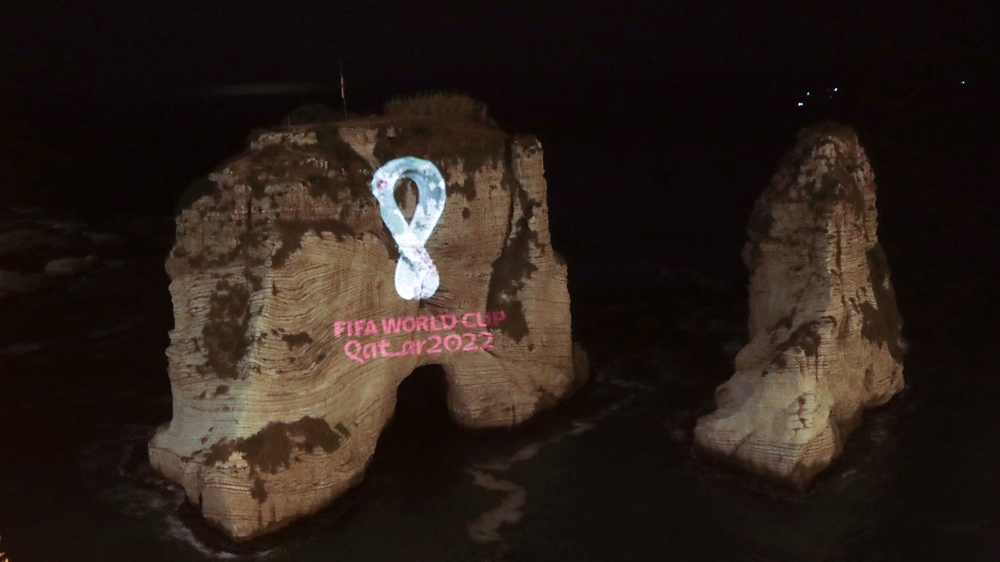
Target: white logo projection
(416,275)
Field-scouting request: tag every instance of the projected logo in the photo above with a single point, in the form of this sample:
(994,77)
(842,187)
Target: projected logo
(416,275)
(422,335)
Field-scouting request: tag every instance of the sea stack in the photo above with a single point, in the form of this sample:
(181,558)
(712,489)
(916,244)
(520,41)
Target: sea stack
(824,328)
(293,328)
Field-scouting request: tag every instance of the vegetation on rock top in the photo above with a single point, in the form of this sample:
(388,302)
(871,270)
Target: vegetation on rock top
(437,104)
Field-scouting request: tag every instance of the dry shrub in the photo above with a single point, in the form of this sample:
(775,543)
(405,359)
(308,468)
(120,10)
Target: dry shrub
(437,104)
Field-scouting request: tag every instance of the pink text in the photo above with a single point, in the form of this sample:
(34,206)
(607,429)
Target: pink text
(451,343)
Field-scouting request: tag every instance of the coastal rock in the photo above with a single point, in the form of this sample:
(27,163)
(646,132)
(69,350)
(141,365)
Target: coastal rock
(15,283)
(291,335)
(25,257)
(22,240)
(67,267)
(824,329)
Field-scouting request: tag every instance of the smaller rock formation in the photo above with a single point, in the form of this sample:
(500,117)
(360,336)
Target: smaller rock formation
(824,330)
(15,283)
(33,253)
(22,240)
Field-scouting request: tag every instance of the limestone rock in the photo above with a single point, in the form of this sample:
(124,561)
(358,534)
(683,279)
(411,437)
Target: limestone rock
(290,338)
(824,329)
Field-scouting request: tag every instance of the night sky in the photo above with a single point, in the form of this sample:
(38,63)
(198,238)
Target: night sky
(661,121)
(507,53)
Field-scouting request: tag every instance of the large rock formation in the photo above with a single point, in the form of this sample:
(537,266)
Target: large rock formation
(824,329)
(291,336)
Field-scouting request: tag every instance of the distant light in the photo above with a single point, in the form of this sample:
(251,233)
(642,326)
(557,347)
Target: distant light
(835,89)
(807,93)
(800,104)
(963,81)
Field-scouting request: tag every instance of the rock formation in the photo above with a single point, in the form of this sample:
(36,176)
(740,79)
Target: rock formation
(36,253)
(67,267)
(291,337)
(824,329)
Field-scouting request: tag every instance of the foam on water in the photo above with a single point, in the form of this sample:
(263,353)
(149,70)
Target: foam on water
(109,331)
(486,529)
(118,467)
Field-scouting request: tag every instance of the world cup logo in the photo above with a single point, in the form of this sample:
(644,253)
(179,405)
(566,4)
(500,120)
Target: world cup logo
(416,275)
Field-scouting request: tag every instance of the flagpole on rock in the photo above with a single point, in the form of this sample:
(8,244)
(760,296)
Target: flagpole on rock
(343,93)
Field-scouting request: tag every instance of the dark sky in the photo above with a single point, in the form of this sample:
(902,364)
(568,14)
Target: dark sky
(570,51)
(657,118)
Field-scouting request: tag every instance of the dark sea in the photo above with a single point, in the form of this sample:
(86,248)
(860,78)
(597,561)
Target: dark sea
(649,206)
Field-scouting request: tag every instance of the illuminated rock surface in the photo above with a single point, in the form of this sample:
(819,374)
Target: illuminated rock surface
(824,329)
(290,338)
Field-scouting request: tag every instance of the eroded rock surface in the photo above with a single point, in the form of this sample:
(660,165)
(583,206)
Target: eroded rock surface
(290,338)
(824,328)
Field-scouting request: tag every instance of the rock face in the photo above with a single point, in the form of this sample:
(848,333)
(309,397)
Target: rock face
(291,338)
(824,328)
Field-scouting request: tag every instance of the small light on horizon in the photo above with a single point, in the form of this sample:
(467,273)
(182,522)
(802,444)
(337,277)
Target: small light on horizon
(963,82)
(807,93)
(835,89)
(800,104)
